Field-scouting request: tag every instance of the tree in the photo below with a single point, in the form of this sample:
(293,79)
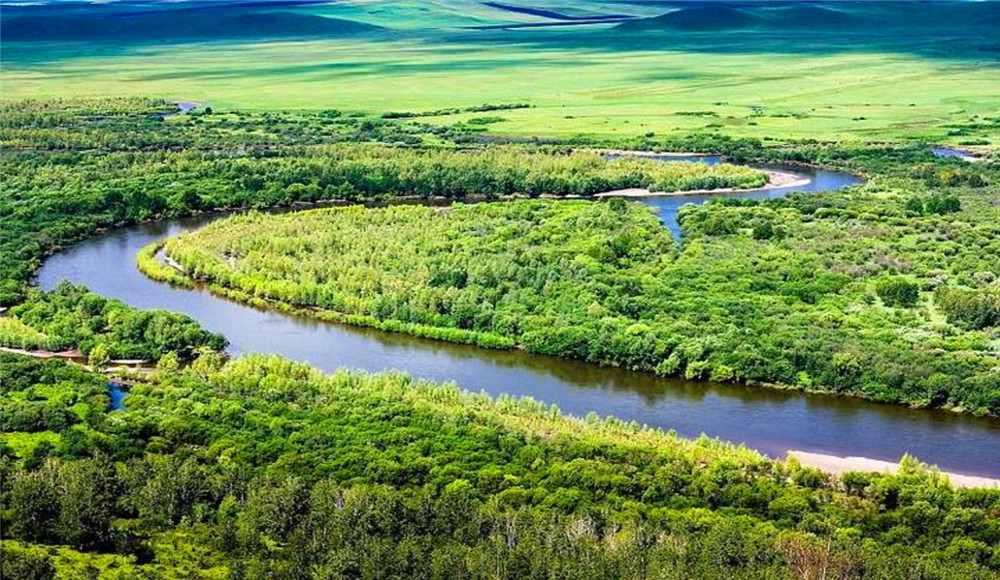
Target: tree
(98,357)
(89,490)
(34,504)
(169,363)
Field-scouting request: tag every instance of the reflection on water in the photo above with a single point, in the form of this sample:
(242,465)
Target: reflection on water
(770,420)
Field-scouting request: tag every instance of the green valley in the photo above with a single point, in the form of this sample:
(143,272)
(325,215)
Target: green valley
(545,289)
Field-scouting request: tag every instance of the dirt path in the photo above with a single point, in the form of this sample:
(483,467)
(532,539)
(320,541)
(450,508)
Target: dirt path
(73,355)
(78,357)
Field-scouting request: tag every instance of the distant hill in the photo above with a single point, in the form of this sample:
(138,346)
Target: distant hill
(202,22)
(700,17)
(552,14)
(796,14)
(709,15)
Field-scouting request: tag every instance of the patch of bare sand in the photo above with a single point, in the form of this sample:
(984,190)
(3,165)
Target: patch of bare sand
(839,465)
(775,179)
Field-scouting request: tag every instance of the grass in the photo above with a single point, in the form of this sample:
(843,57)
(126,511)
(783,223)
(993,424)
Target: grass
(22,443)
(576,87)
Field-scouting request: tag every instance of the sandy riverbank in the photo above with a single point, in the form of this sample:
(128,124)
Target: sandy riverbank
(775,180)
(838,465)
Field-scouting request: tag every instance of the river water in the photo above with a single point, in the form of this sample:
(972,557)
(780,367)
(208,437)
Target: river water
(954,153)
(769,420)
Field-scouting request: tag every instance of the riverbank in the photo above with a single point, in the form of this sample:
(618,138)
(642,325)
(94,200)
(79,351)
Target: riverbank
(668,155)
(775,180)
(967,155)
(183,107)
(839,465)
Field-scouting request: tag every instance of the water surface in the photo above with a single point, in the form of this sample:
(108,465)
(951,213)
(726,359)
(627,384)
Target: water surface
(953,153)
(117,394)
(819,180)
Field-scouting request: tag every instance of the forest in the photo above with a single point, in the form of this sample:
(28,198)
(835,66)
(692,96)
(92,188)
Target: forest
(261,467)
(57,189)
(71,317)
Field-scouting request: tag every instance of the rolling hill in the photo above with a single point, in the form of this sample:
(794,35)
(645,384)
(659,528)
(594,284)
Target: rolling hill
(139,23)
(708,15)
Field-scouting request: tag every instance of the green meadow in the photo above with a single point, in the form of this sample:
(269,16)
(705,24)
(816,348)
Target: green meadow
(591,80)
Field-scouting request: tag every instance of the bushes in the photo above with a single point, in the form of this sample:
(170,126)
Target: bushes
(269,465)
(974,309)
(898,291)
(16,334)
(22,563)
(938,204)
(148,263)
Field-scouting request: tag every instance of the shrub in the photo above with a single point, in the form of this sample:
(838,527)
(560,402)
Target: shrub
(898,291)
(968,308)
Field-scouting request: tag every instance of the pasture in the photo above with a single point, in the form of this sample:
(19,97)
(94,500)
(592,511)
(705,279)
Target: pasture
(597,80)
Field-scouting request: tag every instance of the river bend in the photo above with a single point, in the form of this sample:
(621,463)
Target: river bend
(772,421)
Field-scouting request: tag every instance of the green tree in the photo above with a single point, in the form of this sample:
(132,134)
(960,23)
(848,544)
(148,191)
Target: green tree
(98,357)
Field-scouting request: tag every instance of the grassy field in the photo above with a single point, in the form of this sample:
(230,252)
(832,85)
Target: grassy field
(581,80)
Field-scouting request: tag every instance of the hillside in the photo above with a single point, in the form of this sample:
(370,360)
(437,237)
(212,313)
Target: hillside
(850,17)
(195,22)
(696,18)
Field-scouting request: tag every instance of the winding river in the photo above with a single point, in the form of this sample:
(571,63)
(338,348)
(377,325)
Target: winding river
(769,420)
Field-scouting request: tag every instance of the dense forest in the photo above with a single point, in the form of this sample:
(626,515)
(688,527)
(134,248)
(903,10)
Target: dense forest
(260,467)
(265,468)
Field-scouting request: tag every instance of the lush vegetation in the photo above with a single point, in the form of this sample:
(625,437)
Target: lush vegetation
(57,189)
(772,293)
(71,317)
(261,467)
(850,292)
(280,471)
(495,273)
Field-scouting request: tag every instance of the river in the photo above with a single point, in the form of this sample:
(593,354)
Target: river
(772,421)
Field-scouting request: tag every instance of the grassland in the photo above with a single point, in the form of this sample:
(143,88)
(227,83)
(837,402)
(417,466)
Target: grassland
(612,93)
(594,80)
